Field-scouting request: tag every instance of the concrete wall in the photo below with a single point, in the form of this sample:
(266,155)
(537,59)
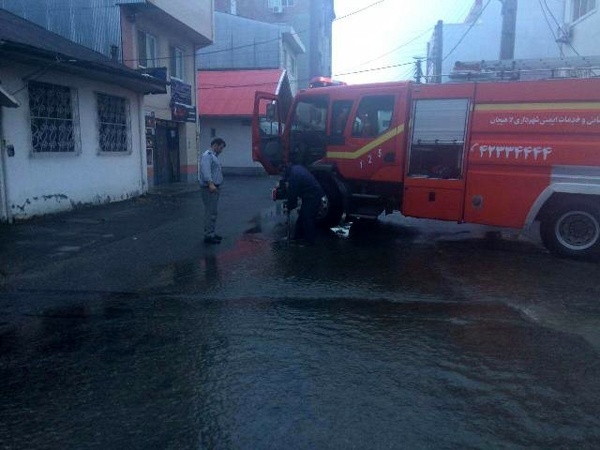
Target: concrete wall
(482,41)
(534,36)
(39,184)
(536,29)
(312,21)
(195,14)
(585,32)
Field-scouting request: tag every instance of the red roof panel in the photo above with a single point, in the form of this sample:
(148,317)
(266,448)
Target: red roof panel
(231,92)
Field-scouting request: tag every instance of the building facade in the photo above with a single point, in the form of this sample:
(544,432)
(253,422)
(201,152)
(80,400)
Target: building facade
(242,44)
(581,30)
(72,129)
(157,37)
(535,30)
(311,20)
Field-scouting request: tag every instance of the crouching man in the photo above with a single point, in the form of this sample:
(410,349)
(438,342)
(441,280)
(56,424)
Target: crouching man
(302,184)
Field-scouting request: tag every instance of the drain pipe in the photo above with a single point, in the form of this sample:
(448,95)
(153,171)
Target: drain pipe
(4,209)
(6,100)
(142,125)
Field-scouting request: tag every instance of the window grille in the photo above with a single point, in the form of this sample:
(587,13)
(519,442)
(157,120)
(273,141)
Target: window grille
(113,123)
(52,118)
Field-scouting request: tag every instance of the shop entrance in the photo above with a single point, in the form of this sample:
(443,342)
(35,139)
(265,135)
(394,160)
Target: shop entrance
(166,153)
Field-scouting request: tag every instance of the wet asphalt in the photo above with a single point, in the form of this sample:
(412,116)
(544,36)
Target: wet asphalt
(120,329)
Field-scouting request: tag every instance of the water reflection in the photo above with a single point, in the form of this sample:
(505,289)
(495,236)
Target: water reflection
(188,372)
(357,343)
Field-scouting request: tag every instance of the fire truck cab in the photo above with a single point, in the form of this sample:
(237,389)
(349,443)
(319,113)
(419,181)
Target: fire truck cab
(503,153)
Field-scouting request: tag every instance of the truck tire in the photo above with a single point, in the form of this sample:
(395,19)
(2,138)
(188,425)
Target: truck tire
(332,205)
(573,230)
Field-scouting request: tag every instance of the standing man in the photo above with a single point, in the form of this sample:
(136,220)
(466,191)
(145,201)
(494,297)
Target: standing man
(301,183)
(210,177)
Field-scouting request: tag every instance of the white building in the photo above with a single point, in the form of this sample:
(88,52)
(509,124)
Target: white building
(581,31)
(479,36)
(77,136)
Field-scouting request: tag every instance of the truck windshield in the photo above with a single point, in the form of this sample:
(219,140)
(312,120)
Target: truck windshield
(310,115)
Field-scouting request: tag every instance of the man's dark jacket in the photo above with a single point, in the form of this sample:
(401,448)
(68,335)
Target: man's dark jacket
(301,183)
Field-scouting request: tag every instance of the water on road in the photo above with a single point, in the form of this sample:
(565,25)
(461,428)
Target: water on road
(377,341)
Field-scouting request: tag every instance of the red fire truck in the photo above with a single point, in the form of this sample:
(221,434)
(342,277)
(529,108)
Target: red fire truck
(500,153)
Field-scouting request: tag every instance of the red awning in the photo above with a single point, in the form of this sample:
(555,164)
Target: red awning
(231,92)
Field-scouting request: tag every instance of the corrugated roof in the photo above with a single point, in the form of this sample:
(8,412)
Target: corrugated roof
(27,42)
(231,92)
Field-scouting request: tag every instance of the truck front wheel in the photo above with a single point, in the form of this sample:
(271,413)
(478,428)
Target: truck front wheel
(332,205)
(573,230)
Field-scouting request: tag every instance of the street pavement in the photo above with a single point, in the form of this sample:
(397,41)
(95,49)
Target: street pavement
(120,328)
(171,213)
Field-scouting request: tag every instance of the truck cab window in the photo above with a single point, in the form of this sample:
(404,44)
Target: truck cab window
(340,111)
(310,115)
(307,132)
(374,116)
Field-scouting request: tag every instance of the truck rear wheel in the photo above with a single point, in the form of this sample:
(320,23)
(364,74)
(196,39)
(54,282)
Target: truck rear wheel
(573,230)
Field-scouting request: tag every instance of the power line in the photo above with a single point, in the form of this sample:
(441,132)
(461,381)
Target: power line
(36,74)
(186,55)
(551,14)
(395,49)
(545,14)
(466,8)
(359,10)
(560,27)
(373,69)
(254,44)
(468,30)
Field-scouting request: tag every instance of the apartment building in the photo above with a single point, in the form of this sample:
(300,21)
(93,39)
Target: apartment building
(311,20)
(156,37)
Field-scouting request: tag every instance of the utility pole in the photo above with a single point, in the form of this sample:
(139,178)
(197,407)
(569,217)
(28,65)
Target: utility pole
(418,69)
(509,26)
(438,49)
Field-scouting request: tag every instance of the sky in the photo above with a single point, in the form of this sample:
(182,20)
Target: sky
(370,35)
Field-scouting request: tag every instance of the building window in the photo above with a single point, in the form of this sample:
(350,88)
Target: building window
(279,3)
(146,50)
(177,66)
(113,123)
(582,7)
(52,118)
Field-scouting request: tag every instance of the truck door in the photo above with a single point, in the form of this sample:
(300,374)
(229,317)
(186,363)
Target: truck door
(434,181)
(268,126)
(368,150)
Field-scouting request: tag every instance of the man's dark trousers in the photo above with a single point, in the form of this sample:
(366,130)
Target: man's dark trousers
(306,224)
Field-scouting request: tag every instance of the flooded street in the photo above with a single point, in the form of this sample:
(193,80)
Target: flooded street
(394,336)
